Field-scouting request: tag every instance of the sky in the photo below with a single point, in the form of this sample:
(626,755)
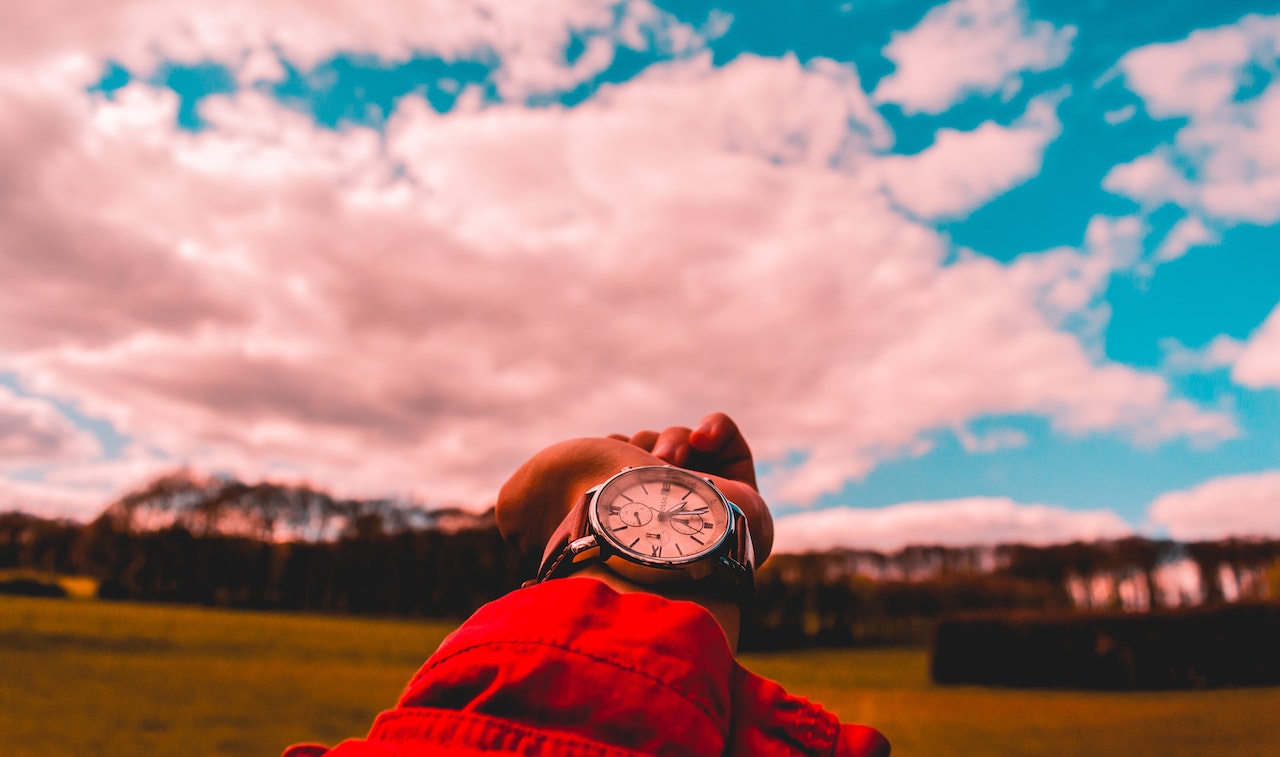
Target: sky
(964,272)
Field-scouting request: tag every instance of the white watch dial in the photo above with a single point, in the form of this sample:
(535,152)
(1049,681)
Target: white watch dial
(661,514)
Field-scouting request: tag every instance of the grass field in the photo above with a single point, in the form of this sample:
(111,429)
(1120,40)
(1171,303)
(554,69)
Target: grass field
(97,678)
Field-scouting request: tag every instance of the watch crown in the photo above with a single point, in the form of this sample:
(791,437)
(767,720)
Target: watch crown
(578,546)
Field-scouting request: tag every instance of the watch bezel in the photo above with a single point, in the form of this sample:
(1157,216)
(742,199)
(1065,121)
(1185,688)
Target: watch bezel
(605,537)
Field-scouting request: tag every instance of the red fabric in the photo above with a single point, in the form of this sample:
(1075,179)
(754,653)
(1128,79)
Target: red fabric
(574,669)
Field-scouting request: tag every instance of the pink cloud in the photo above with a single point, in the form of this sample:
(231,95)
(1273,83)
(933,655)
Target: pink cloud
(1221,352)
(415,315)
(1242,505)
(529,42)
(969,47)
(81,489)
(34,432)
(961,171)
(49,500)
(1187,233)
(1196,76)
(1151,179)
(1230,143)
(961,522)
(990,441)
(1258,363)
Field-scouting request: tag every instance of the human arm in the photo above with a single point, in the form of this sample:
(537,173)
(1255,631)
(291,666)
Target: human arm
(536,498)
(606,665)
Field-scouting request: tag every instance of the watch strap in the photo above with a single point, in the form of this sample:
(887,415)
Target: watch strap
(742,560)
(575,525)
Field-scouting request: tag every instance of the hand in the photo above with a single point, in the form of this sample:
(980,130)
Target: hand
(537,496)
(716,446)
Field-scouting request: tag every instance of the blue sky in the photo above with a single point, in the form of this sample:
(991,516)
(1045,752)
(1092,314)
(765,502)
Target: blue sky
(964,271)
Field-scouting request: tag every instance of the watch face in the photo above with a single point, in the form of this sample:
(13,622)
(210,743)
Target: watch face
(661,514)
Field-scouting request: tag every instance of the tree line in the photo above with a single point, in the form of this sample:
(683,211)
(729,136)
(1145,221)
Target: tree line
(222,542)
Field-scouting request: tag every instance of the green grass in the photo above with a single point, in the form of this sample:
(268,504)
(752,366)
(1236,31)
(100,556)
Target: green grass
(98,678)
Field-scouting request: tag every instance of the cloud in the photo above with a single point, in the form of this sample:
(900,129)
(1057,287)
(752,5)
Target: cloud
(1199,75)
(1221,352)
(990,441)
(415,312)
(1186,233)
(1120,115)
(1067,281)
(1254,362)
(1242,505)
(79,489)
(961,522)
(34,432)
(1152,180)
(529,44)
(1258,364)
(968,47)
(963,170)
(1222,164)
(49,501)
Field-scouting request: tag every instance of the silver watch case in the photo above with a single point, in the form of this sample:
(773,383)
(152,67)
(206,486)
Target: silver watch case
(647,570)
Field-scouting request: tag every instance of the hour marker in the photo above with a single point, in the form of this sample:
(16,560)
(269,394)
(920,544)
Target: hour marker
(666,488)
(708,524)
(681,551)
(686,495)
(637,541)
(657,550)
(619,528)
(646,491)
(691,536)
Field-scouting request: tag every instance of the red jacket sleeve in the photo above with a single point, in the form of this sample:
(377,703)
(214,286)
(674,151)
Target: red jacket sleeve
(571,667)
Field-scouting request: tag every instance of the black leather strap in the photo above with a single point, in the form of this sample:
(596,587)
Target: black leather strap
(576,524)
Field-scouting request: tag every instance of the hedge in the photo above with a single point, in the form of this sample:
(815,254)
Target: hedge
(1231,645)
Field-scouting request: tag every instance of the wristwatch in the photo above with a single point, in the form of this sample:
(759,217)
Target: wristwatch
(657,524)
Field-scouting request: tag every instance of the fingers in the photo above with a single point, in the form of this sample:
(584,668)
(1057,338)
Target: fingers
(714,432)
(672,445)
(718,437)
(644,440)
(716,446)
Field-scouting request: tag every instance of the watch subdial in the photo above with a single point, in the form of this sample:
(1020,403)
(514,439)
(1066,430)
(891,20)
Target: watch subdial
(687,523)
(634,514)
